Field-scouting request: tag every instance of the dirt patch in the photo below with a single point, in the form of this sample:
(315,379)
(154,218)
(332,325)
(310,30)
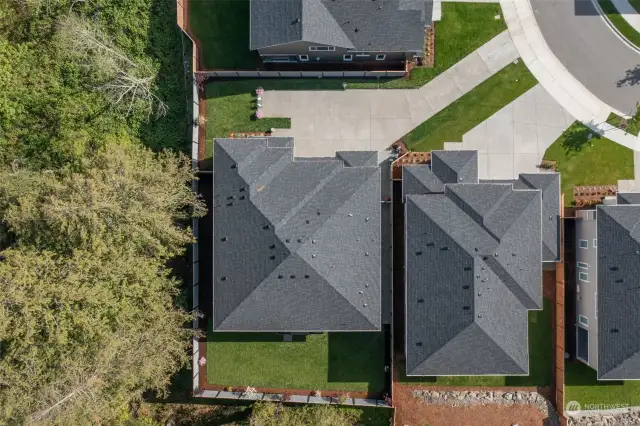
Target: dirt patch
(411,411)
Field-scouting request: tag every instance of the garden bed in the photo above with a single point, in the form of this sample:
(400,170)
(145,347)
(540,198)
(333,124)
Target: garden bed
(630,125)
(585,196)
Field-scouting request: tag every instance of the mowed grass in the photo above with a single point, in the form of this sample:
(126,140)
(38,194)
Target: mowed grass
(584,161)
(540,360)
(329,361)
(471,109)
(222,30)
(464,28)
(619,22)
(581,385)
(633,124)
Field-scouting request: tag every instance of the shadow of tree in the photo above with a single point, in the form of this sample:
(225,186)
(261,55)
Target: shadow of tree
(576,137)
(631,78)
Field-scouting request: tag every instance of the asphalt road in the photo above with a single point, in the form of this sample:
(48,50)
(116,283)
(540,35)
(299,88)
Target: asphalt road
(587,47)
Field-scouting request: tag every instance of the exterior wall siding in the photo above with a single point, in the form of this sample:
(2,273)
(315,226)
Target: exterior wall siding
(586,229)
(302,48)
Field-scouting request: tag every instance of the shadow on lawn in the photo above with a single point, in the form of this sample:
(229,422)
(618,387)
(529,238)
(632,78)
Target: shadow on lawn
(579,374)
(576,138)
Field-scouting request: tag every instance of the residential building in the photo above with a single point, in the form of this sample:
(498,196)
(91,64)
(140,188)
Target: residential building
(296,241)
(608,288)
(347,32)
(474,253)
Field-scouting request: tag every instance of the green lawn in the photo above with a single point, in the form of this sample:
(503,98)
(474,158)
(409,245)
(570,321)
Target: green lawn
(581,385)
(222,28)
(471,109)
(464,28)
(329,361)
(540,360)
(618,21)
(633,124)
(635,4)
(584,161)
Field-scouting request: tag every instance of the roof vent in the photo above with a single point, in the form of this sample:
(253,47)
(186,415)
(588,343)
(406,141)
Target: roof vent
(350,215)
(445,248)
(318,212)
(366,253)
(420,300)
(272,257)
(231,197)
(366,219)
(313,256)
(265,227)
(418,343)
(467,268)
(613,268)
(355,30)
(418,253)
(300,240)
(272,246)
(242,189)
(465,308)
(307,221)
(223,239)
(287,240)
(431,244)
(364,305)
(306,276)
(366,285)
(292,276)
(233,166)
(295,21)
(360,292)
(280,277)
(465,287)
(229,204)
(223,278)
(615,330)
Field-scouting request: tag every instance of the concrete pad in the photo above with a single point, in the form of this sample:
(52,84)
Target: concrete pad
(379,144)
(550,115)
(354,128)
(390,129)
(343,144)
(476,138)
(319,400)
(500,166)
(441,91)
(327,127)
(547,135)
(483,166)
(525,138)
(302,128)
(498,52)
(500,131)
(311,147)
(470,72)
(525,163)
(350,104)
(389,104)
(525,111)
(421,114)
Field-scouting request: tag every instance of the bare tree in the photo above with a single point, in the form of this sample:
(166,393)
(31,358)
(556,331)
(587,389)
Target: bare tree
(125,82)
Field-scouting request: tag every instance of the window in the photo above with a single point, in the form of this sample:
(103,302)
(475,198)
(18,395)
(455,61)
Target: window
(322,48)
(362,55)
(583,265)
(595,242)
(303,57)
(380,57)
(583,320)
(584,244)
(347,58)
(583,276)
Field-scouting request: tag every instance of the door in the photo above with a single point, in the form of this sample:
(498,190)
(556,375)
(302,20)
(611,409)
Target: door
(583,344)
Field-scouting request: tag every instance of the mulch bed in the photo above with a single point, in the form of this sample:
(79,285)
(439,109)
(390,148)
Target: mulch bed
(585,196)
(406,159)
(429,46)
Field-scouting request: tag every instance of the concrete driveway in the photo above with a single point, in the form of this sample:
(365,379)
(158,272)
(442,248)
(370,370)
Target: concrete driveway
(514,139)
(590,51)
(323,122)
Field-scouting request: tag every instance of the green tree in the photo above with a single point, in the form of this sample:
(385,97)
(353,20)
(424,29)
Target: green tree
(90,315)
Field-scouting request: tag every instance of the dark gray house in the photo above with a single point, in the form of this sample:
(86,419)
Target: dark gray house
(473,266)
(339,31)
(296,241)
(608,288)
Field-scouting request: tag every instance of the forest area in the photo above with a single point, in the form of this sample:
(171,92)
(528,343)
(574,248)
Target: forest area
(94,208)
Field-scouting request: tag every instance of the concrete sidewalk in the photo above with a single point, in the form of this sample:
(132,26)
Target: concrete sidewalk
(324,122)
(554,77)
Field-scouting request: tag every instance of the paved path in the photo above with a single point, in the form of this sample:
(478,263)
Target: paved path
(628,13)
(552,74)
(323,122)
(514,139)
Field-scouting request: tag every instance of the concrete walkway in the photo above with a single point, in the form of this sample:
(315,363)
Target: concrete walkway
(324,122)
(628,13)
(514,139)
(554,77)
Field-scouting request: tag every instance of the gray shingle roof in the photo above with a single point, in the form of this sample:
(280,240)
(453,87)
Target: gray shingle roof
(446,167)
(618,292)
(365,25)
(296,243)
(549,183)
(473,270)
(628,197)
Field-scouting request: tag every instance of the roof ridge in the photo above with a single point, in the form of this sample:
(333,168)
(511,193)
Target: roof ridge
(311,238)
(255,153)
(309,196)
(510,282)
(492,210)
(498,345)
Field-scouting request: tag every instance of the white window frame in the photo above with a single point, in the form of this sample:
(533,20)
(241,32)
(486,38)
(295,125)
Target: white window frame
(596,307)
(583,265)
(586,277)
(381,57)
(303,58)
(362,55)
(580,244)
(595,242)
(582,323)
(322,48)
(349,55)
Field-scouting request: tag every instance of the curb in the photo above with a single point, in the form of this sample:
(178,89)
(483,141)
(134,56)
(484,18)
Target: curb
(613,28)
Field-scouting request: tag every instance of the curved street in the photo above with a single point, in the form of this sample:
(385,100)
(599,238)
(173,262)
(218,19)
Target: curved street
(591,52)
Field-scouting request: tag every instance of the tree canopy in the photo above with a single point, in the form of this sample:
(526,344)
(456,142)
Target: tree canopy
(93,210)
